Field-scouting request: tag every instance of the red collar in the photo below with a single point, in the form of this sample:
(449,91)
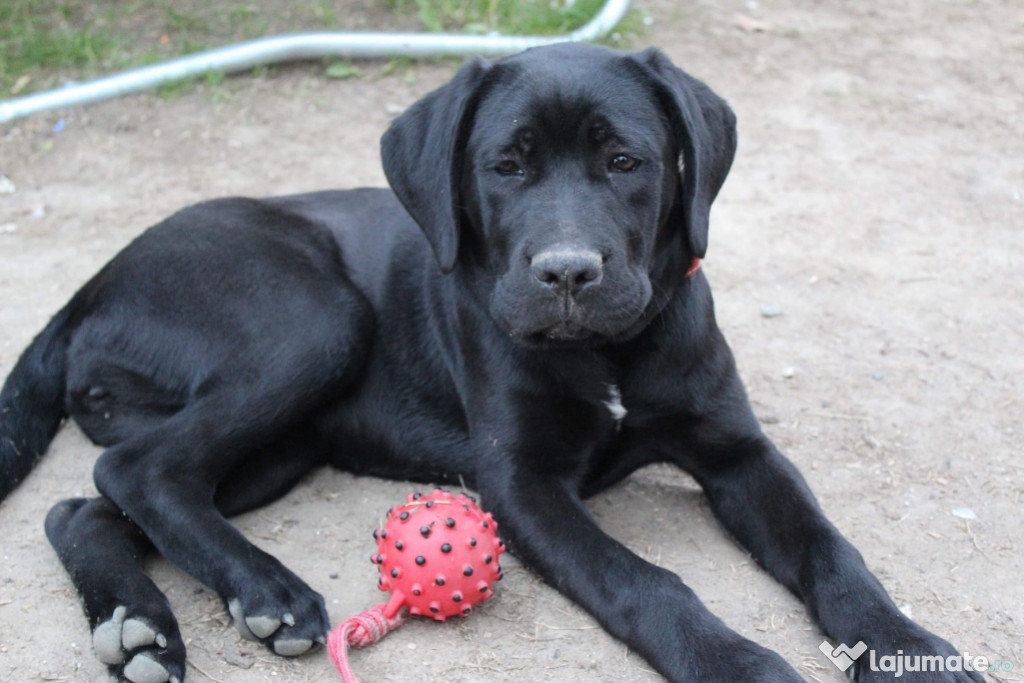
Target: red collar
(694,267)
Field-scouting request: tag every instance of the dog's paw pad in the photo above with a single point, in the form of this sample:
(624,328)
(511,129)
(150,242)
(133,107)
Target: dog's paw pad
(116,638)
(238,619)
(291,647)
(289,623)
(137,633)
(145,669)
(257,627)
(106,638)
(263,627)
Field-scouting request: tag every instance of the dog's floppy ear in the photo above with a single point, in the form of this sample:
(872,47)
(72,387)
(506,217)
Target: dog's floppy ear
(706,132)
(422,155)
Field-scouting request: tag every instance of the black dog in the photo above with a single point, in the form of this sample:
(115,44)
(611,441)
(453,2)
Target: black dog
(564,195)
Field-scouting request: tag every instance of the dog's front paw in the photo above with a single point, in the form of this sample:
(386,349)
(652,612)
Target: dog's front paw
(917,655)
(136,649)
(749,662)
(280,611)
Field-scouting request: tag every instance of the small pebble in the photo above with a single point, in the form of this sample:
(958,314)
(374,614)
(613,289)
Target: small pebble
(964,513)
(771,311)
(333,575)
(789,373)
(6,185)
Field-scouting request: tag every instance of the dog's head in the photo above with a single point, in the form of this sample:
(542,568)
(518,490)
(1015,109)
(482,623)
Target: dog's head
(572,183)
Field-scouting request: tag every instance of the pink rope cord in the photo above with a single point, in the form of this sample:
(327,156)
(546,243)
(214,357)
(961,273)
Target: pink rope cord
(359,631)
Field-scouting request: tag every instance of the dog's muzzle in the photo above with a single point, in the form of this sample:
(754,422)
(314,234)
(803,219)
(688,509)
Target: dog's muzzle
(568,293)
(566,274)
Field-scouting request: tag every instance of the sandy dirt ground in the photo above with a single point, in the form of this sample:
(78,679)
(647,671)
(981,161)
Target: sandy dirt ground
(877,202)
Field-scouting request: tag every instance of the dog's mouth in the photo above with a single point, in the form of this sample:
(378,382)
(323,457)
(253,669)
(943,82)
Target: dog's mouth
(539,318)
(565,331)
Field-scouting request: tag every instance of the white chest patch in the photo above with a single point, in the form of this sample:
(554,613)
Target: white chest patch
(614,403)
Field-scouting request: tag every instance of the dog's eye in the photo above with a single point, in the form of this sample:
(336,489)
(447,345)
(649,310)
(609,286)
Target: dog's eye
(508,167)
(623,163)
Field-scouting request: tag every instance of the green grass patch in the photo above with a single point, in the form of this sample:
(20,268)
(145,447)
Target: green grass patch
(343,70)
(39,37)
(44,43)
(508,17)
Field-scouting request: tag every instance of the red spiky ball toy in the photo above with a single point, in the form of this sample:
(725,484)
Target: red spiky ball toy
(438,557)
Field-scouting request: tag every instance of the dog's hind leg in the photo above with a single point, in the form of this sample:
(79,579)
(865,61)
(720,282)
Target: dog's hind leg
(209,339)
(214,455)
(134,631)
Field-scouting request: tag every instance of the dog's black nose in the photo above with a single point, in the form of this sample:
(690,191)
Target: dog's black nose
(567,270)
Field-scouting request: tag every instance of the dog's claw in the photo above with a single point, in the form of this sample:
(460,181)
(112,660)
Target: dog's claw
(144,669)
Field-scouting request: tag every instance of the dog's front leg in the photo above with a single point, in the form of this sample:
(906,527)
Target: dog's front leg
(165,482)
(765,503)
(544,522)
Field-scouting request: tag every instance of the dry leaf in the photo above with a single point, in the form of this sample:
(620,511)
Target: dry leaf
(751,24)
